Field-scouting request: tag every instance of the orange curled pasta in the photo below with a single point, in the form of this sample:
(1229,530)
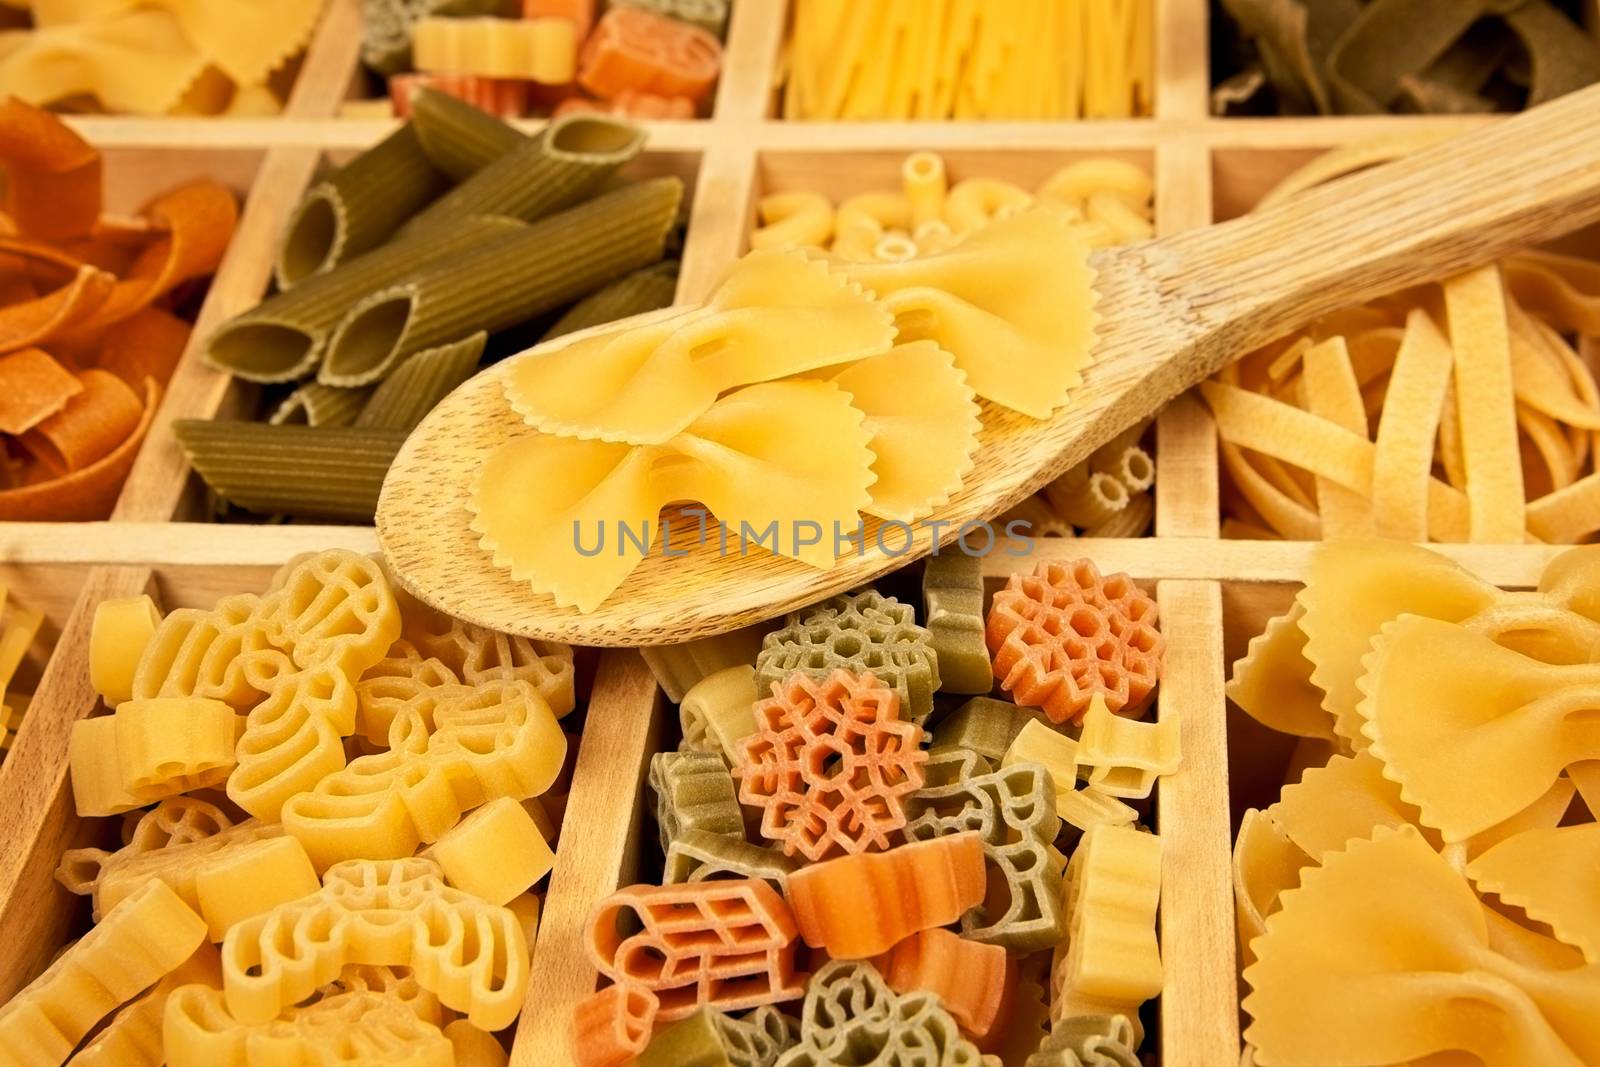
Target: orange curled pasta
(88,337)
(90,427)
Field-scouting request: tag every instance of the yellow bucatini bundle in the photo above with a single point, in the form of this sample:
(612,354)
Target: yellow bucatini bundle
(906,59)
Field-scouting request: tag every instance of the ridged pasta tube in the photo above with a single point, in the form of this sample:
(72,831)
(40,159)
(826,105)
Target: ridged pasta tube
(358,206)
(506,281)
(326,472)
(417,385)
(459,139)
(644,290)
(567,162)
(315,404)
(285,337)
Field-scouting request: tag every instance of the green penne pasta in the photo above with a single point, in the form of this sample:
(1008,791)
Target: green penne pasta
(284,338)
(506,281)
(568,161)
(315,404)
(358,206)
(459,139)
(404,397)
(320,472)
(644,290)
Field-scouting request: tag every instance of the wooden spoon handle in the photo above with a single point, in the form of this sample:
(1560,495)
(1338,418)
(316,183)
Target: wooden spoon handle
(1456,205)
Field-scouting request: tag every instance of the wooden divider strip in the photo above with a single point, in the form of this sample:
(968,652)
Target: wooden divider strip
(1199,1005)
(598,850)
(35,795)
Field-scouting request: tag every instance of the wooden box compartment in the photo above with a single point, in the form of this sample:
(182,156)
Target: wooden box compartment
(1193,1022)
(35,782)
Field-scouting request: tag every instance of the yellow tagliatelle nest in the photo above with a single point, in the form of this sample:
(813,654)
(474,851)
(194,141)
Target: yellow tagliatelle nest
(1460,411)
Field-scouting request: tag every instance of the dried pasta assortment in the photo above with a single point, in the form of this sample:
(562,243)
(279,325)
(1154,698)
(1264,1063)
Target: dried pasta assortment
(336,805)
(157,57)
(1108,200)
(1425,891)
(860,868)
(1460,411)
(92,310)
(641,59)
(454,240)
(905,59)
(1357,57)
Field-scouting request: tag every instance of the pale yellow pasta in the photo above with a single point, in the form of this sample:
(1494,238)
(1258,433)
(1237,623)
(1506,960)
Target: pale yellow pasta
(1411,410)
(762,455)
(645,384)
(885,211)
(858,241)
(1110,894)
(924,425)
(1091,501)
(933,236)
(790,219)
(973,203)
(1076,182)
(1013,303)
(1475,304)
(1124,757)
(1123,223)
(118,636)
(1265,864)
(894,248)
(725,702)
(923,177)
(1332,393)
(535,49)
(1132,521)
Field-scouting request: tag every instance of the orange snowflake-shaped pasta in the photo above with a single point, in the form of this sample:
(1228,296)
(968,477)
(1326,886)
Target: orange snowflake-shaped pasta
(1064,634)
(831,765)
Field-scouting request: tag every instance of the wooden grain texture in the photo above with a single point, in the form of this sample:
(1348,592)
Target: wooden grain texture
(1199,1020)
(1172,312)
(36,798)
(1186,440)
(599,839)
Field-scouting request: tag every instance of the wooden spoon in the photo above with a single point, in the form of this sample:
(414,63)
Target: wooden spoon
(1173,311)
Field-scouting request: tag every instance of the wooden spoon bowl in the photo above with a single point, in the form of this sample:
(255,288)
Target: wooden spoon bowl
(1173,311)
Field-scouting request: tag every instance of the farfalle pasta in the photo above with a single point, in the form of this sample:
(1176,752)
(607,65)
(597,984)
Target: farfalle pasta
(163,57)
(681,408)
(1425,893)
(300,746)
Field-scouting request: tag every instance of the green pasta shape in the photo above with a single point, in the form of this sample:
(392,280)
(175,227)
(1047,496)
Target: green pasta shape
(286,336)
(402,399)
(644,290)
(358,207)
(567,162)
(505,281)
(314,472)
(315,404)
(458,138)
